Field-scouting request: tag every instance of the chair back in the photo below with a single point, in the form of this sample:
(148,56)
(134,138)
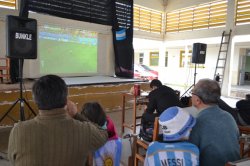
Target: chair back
(244,141)
(141,144)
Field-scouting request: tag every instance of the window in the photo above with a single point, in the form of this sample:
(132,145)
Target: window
(189,60)
(8,4)
(166,59)
(154,58)
(242,12)
(141,56)
(148,20)
(204,16)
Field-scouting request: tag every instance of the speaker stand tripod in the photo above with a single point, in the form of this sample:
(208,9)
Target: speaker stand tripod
(193,83)
(20,100)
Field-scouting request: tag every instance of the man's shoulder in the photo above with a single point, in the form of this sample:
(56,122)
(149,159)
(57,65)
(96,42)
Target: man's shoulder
(213,116)
(241,104)
(166,87)
(25,123)
(162,89)
(171,147)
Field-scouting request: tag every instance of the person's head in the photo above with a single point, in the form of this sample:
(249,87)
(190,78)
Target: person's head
(50,92)
(206,92)
(155,84)
(94,112)
(247,96)
(176,124)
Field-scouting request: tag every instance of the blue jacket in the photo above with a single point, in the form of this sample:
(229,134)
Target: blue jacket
(217,136)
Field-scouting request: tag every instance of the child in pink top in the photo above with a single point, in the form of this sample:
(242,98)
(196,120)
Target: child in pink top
(111,129)
(110,153)
(95,113)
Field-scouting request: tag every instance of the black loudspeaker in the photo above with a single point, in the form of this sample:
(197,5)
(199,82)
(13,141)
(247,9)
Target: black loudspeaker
(21,37)
(199,53)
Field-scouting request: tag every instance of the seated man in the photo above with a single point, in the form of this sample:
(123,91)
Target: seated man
(216,133)
(176,125)
(233,111)
(241,113)
(243,107)
(160,98)
(53,137)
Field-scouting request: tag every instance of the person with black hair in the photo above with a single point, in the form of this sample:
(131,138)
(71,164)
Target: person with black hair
(53,137)
(160,98)
(95,113)
(217,77)
(110,153)
(241,113)
(243,108)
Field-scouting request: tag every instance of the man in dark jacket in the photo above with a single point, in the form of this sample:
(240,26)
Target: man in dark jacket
(243,107)
(160,98)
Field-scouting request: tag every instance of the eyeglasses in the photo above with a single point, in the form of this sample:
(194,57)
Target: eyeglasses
(194,94)
(197,95)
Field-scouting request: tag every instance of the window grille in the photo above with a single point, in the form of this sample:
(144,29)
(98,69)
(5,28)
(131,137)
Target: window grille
(242,15)
(204,16)
(94,11)
(154,58)
(147,19)
(8,4)
(166,59)
(141,57)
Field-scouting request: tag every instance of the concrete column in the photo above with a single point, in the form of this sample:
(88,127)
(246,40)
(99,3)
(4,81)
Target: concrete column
(230,24)
(162,54)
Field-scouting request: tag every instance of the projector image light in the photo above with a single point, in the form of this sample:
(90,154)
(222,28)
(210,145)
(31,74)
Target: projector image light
(21,37)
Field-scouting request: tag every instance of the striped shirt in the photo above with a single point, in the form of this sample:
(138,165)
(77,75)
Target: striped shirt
(172,154)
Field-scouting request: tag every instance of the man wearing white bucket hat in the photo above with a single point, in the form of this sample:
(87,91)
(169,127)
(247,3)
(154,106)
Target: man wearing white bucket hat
(216,132)
(176,124)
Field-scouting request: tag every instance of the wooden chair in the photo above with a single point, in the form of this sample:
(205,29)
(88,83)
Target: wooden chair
(244,142)
(244,147)
(4,69)
(242,162)
(144,145)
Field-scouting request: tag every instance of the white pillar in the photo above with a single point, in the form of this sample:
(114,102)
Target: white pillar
(226,87)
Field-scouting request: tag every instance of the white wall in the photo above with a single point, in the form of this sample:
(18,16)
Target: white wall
(174,42)
(177,4)
(105,43)
(173,73)
(153,4)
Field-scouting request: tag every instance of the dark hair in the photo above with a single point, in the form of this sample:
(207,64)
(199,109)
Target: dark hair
(208,91)
(50,92)
(247,97)
(156,83)
(94,112)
